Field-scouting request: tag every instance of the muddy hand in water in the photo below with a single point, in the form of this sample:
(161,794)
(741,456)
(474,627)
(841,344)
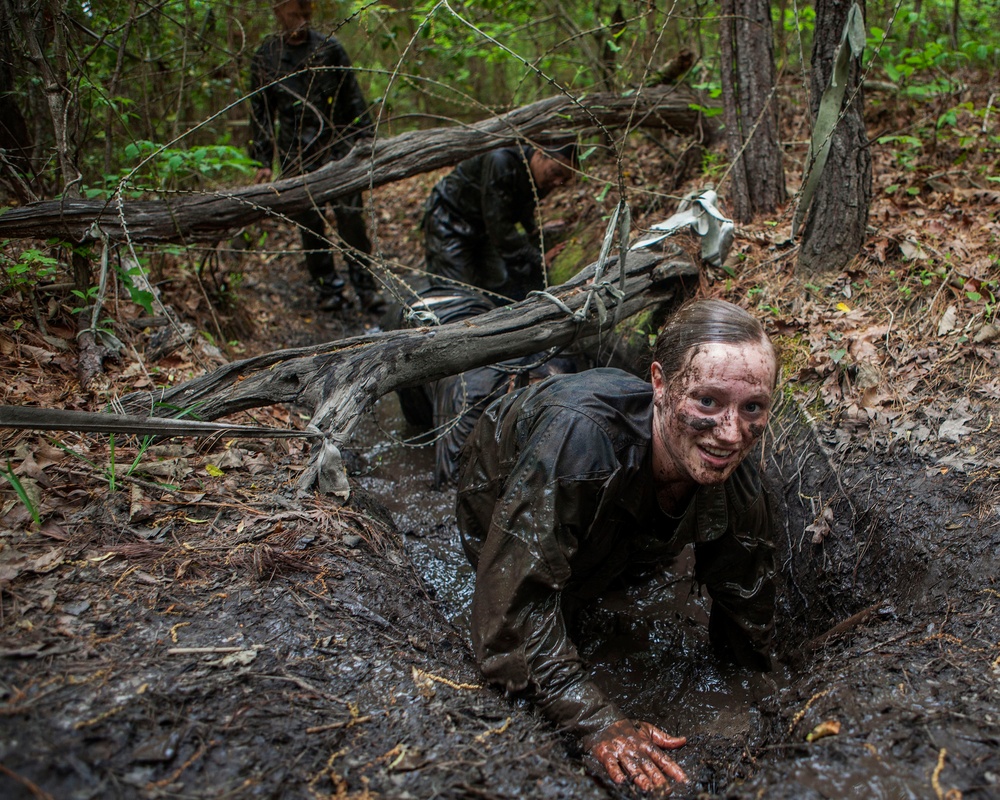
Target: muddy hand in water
(633,750)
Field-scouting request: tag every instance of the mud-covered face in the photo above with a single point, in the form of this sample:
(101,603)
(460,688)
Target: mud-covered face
(294,17)
(707,418)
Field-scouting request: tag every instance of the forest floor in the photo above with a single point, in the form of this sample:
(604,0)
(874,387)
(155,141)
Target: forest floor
(179,623)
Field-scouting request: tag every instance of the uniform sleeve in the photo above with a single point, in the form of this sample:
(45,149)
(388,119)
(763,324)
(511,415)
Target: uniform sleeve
(519,632)
(738,571)
(504,206)
(350,109)
(261,147)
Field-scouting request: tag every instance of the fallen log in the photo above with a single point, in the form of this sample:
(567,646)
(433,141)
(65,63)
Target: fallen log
(208,216)
(341,380)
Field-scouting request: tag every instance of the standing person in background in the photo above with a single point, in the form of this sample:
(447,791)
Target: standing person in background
(304,82)
(479,221)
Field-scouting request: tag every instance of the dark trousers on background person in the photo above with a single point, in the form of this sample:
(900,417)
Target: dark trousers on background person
(349,213)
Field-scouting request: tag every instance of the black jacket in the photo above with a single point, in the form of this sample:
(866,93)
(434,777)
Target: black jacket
(312,92)
(556,500)
(483,211)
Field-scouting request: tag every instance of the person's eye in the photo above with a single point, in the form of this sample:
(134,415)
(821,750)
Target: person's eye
(754,408)
(706,402)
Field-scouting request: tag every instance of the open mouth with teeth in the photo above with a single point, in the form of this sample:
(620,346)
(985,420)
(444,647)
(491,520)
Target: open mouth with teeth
(716,456)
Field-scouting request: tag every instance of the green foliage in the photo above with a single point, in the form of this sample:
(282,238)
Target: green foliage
(155,167)
(29,268)
(758,295)
(488,48)
(919,72)
(918,278)
(713,164)
(798,19)
(159,91)
(920,52)
(113,473)
(909,150)
(707,111)
(86,298)
(141,297)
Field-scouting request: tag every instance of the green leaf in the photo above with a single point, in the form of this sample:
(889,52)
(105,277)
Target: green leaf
(19,490)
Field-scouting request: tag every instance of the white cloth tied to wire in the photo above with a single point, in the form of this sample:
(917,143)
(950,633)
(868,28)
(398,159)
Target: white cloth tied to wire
(700,212)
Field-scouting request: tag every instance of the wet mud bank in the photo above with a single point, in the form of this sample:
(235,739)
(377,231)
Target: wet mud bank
(291,652)
(890,619)
(230,639)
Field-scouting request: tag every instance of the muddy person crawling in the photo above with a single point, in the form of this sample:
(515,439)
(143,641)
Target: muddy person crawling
(585,479)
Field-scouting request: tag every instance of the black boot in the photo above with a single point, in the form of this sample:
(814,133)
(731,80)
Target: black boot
(331,292)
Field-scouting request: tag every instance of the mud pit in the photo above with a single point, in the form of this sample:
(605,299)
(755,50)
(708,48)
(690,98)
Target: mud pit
(227,639)
(239,643)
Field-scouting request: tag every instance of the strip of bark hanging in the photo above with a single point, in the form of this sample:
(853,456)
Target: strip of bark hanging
(341,380)
(210,215)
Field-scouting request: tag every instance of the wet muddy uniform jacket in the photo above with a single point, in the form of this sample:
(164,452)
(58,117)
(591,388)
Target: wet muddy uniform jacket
(316,100)
(471,225)
(450,406)
(556,500)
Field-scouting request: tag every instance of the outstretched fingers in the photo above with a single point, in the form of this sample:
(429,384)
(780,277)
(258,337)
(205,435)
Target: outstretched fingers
(641,770)
(666,766)
(635,751)
(661,739)
(610,764)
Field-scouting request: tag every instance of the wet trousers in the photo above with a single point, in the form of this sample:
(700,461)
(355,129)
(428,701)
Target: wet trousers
(349,214)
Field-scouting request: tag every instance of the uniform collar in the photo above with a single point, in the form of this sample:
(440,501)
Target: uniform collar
(705,519)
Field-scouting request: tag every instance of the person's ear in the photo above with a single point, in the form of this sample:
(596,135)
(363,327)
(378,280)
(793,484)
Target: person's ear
(658,380)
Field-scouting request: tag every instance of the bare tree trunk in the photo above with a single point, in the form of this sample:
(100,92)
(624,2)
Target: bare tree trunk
(955,20)
(750,109)
(210,215)
(838,217)
(15,140)
(781,37)
(607,40)
(112,115)
(30,21)
(915,28)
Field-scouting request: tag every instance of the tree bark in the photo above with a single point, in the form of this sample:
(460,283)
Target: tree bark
(838,216)
(29,21)
(15,141)
(750,108)
(212,215)
(340,380)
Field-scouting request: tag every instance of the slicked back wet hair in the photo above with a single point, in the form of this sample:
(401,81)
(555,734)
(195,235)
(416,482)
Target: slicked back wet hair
(701,322)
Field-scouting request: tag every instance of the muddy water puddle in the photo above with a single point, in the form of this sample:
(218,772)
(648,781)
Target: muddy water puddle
(648,645)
